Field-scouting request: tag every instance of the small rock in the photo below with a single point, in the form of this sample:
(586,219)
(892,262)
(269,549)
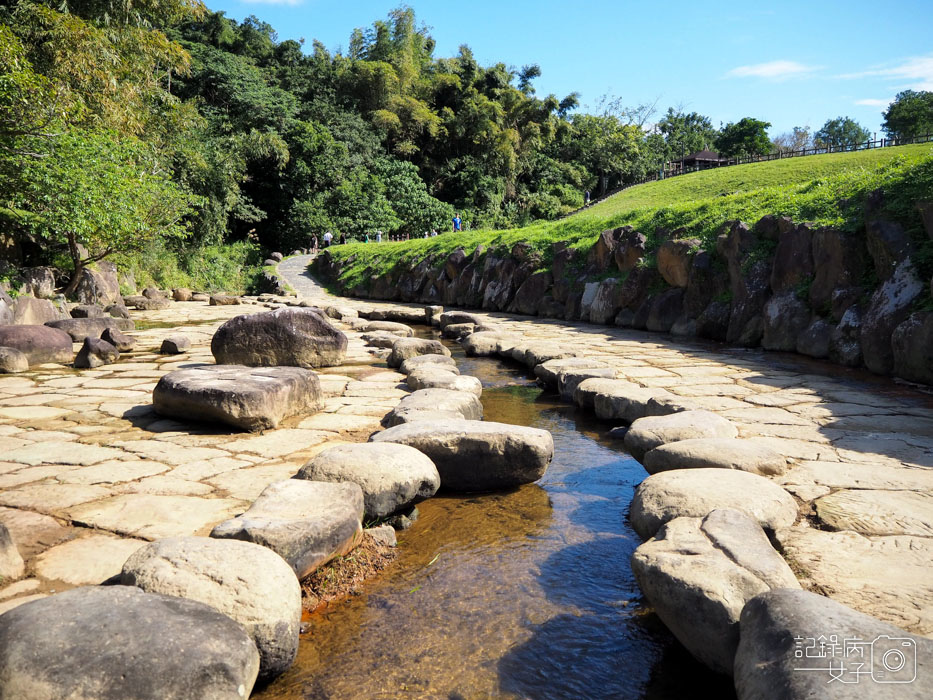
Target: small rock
(224,300)
(307,523)
(175,345)
(121,341)
(393,476)
(402,521)
(117,311)
(153,304)
(181,294)
(96,353)
(153,293)
(12,361)
(383,534)
(11,562)
(652,431)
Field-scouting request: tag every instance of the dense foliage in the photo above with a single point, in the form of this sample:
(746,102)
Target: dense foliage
(910,115)
(158,130)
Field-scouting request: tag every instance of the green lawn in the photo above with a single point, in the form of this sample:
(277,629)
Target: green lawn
(828,190)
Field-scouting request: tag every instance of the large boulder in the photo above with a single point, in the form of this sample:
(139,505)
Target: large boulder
(473,455)
(749,281)
(292,337)
(814,340)
(81,328)
(785,318)
(629,249)
(12,361)
(117,642)
(529,295)
(393,476)
(706,281)
(695,493)
(839,262)
(29,311)
(845,345)
(653,431)
(605,304)
(37,281)
(569,378)
(428,404)
(248,583)
(40,344)
(98,284)
(698,574)
(796,644)
(307,523)
(715,453)
(793,259)
(912,345)
(890,306)
(87,311)
(664,311)
(121,341)
(674,260)
(406,348)
(249,398)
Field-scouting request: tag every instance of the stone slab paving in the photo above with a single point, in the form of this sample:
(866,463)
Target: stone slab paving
(859,448)
(89,473)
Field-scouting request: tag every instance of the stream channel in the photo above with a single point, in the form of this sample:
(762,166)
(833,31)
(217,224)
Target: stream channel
(522,594)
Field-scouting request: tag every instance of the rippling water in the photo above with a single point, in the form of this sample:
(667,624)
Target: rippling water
(525,594)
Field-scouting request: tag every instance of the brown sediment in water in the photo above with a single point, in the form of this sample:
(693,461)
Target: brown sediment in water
(346,576)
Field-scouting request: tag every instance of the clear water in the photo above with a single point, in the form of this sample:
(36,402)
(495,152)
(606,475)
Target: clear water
(524,594)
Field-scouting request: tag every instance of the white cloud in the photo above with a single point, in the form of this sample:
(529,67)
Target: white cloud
(915,73)
(773,70)
(872,102)
(272,2)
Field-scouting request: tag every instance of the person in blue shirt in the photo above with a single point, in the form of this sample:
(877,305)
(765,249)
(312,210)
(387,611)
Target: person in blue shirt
(457,222)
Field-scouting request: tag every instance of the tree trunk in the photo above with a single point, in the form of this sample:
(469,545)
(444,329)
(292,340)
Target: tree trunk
(78,263)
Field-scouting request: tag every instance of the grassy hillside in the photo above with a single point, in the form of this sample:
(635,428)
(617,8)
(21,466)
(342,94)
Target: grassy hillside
(828,190)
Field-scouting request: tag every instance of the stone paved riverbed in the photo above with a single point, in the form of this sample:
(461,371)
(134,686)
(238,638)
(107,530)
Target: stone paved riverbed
(88,473)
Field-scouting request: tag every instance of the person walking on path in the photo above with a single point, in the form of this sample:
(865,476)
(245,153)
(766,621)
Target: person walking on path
(328,237)
(586,198)
(314,244)
(378,236)
(458,223)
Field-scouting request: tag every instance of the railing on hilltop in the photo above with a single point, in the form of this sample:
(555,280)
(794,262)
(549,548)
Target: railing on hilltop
(779,155)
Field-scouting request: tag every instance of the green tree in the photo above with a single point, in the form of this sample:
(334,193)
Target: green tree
(98,193)
(746,137)
(910,115)
(841,131)
(686,133)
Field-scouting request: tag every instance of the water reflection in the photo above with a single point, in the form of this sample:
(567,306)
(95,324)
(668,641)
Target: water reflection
(523,594)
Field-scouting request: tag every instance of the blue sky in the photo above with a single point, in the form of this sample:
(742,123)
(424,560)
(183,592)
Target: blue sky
(789,63)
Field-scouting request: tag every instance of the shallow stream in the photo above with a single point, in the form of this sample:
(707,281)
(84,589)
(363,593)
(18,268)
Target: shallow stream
(524,594)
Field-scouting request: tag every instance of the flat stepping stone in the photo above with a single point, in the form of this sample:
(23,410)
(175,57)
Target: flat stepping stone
(696,493)
(584,395)
(451,317)
(249,583)
(399,314)
(291,337)
(548,371)
(411,364)
(429,404)
(81,328)
(473,455)
(457,331)
(40,344)
(652,431)
(537,353)
(624,401)
(88,560)
(406,348)
(393,476)
(437,377)
(570,378)
(399,329)
(715,453)
(698,574)
(307,523)
(379,339)
(486,343)
(249,398)
(223,300)
(113,642)
(875,512)
(784,652)
(341,312)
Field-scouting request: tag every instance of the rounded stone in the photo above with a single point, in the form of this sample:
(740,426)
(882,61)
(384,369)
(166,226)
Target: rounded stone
(393,476)
(116,642)
(40,344)
(12,361)
(421,404)
(406,348)
(715,453)
(414,363)
(697,492)
(473,455)
(653,431)
(249,583)
(439,377)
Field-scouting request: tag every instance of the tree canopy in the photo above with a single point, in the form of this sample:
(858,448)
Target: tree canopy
(910,115)
(841,131)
